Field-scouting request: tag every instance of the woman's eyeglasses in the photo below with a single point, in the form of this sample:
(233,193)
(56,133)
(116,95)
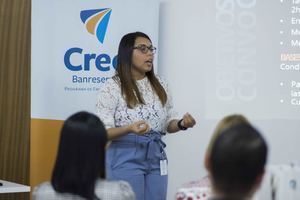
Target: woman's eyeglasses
(144,48)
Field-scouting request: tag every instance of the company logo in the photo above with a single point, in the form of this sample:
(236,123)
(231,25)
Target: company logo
(96,21)
(77,59)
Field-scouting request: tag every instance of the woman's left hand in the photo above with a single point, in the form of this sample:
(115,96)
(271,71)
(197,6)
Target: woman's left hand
(188,121)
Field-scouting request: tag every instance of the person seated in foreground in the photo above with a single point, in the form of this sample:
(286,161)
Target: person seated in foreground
(201,188)
(225,123)
(236,163)
(79,169)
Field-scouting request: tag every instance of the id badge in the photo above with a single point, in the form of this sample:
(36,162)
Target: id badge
(163,167)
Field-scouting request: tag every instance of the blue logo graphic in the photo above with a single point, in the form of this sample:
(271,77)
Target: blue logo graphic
(96,21)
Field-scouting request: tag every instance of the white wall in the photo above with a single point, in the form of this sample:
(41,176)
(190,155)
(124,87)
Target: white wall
(187,58)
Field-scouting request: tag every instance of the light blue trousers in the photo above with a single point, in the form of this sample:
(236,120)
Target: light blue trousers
(136,159)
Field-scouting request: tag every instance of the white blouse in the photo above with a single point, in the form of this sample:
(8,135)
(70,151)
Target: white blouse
(113,111)
(105,190)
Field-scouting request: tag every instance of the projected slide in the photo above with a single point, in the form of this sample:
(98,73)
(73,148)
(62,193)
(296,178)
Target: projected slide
(256,67)
(290,55)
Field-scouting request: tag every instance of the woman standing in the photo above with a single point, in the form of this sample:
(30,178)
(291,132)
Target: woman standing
(137,109)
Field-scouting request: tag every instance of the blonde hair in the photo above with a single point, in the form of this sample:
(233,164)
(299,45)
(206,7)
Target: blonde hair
(227,122)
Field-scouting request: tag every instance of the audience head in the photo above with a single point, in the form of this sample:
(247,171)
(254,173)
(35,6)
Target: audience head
(225,123)
(237,160)
(81,155)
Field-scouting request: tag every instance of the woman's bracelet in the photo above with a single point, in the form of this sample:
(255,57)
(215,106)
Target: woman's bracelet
(180,126)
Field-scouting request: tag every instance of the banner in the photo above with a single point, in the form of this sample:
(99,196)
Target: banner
(74,51)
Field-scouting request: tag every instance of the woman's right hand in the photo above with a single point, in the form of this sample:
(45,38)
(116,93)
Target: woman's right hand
(139,127)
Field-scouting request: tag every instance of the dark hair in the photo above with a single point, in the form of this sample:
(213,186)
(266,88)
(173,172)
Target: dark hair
(237,159)
(80,159)
(129,88)
(226,122)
